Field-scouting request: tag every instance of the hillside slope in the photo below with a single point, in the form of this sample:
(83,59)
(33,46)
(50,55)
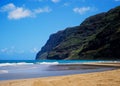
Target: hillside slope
(98,37)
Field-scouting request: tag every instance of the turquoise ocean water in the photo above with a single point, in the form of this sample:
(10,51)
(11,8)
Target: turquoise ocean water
(51,61)
(21,69)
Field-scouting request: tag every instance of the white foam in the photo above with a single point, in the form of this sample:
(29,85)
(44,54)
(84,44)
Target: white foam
(50,63)
(14,64)
(6,64)
(24,63)
(3,71)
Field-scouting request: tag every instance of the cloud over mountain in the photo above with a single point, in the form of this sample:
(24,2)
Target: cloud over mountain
(81,10)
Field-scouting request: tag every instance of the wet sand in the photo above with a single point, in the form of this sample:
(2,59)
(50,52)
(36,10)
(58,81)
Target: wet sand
(105,78)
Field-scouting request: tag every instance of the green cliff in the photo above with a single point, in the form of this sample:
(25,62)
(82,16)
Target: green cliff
(98,37)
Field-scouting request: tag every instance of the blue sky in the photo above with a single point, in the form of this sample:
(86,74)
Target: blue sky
(25,25)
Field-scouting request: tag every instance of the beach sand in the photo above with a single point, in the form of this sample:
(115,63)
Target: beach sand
(106,78)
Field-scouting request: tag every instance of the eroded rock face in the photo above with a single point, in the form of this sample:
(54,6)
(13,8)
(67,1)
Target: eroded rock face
(98,37)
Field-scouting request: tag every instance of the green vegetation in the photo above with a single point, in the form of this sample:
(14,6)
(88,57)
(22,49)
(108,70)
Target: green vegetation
(98,37)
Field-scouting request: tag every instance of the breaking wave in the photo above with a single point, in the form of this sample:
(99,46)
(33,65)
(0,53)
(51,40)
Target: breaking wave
(14,64)
(50,63)
(25,63)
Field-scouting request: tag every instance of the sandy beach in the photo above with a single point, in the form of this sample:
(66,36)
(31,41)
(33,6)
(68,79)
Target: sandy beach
(105,78)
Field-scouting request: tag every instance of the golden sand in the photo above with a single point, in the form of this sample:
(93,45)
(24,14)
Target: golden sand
(106,78)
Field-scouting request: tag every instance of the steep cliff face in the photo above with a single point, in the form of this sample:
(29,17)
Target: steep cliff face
(98,37)
(106,44)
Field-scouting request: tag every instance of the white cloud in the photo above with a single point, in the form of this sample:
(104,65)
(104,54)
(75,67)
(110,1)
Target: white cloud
(34,50)
(11,50)
(81,10)
(19,13)
(4,50)
(8,50)
(55,1)
(42,10)
(8,7)
(15,12)
(66,4)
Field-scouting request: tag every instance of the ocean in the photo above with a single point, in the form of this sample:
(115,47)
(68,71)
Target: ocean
(22,69)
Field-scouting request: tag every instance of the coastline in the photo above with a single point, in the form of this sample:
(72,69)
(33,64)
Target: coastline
(105,78)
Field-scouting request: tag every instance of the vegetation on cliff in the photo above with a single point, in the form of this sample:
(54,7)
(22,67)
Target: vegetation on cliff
(98,37)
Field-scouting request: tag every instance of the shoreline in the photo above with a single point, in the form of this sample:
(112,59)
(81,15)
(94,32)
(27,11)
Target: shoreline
(104,78)
(41,71)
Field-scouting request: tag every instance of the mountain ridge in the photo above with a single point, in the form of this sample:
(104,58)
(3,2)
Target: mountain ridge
(94,38)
